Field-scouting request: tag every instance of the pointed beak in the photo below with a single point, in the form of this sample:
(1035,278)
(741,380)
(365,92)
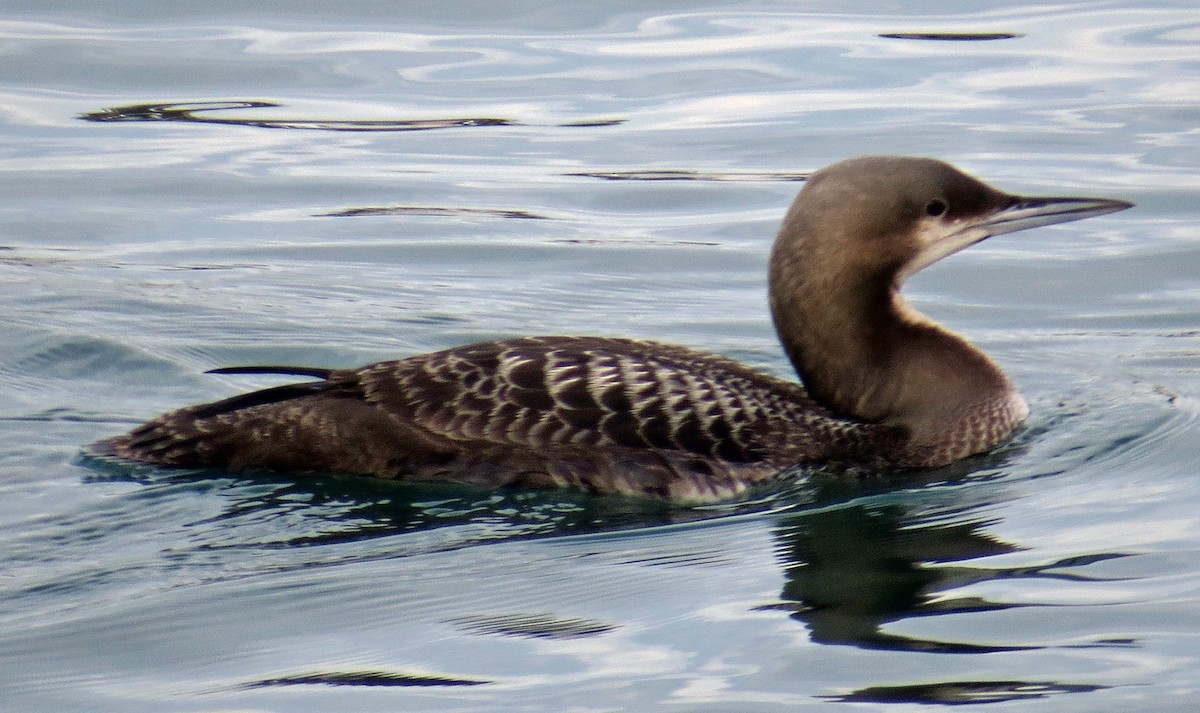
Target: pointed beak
(1035,212)
(1022,213)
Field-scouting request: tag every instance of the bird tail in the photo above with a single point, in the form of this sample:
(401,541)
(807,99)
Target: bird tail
(197,435)
(314,372)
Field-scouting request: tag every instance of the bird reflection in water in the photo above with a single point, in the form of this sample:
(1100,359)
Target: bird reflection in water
(852,570)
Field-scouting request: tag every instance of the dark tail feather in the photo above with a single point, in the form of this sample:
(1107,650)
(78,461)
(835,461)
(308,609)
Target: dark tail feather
(315,372)
(257,398)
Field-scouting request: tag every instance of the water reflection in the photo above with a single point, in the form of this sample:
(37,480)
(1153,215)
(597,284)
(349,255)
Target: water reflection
(191,112)
(533,626)
(287,513)
(952,36)
(855,560)
(852,570)
(432,211)
(363,678)
(683,175)
(963,692)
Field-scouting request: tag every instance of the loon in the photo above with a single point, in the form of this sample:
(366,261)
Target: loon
(880,385)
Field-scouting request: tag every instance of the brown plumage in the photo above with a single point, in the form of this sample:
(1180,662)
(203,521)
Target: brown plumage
(883,385)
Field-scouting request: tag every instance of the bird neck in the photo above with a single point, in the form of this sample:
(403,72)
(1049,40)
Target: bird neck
(863,352)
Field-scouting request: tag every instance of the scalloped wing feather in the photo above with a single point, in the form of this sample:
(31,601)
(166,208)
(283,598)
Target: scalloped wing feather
(604,393)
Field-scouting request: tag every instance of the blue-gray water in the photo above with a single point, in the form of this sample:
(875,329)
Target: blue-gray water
(151,229)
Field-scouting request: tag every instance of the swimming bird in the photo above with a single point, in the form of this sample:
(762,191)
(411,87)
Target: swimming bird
(880,385)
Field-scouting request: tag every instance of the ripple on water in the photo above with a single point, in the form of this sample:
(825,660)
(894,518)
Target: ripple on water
(492,172)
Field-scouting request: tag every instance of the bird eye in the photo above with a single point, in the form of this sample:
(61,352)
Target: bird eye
(935,207)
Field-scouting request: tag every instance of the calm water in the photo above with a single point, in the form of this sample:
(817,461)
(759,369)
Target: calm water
(184,186)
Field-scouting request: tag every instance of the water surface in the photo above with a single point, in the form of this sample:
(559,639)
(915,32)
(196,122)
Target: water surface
(185,187)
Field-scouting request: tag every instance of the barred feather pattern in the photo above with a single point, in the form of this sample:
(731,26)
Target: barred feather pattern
(603,414)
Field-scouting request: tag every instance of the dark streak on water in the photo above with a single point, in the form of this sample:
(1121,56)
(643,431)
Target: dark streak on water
(963,692)
(363,678)
(537,626)
(683,175)
(432,211)
(952,36)
(188,111)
